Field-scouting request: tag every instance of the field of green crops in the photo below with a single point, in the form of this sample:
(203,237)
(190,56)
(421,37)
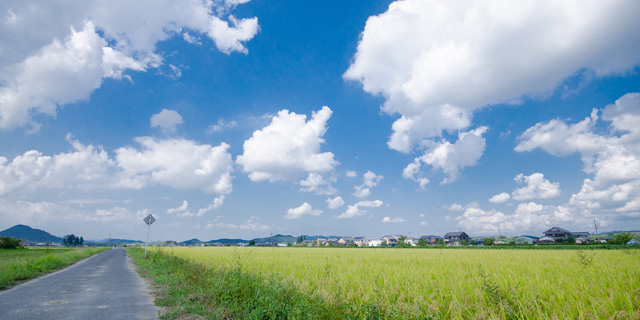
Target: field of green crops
(22,264)
(463,284)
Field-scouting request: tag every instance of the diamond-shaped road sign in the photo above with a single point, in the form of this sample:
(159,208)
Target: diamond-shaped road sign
(149,219)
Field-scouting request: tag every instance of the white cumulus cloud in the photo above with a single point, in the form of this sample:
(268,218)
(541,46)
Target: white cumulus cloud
(394,220)
(370,180)
(611,157)
(178,163)
(335,202)
(167,120)
(537,187)
(56,53)
(448,157)
(500,198)
(435,63)
(356,209)
(304,209)
(288,149)
(183,207)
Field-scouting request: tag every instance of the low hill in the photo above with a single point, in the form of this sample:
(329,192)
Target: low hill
(28,234)
(114,241)
(191,242)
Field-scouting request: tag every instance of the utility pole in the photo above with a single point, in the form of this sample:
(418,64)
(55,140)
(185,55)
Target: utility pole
(595,226)
(109,239)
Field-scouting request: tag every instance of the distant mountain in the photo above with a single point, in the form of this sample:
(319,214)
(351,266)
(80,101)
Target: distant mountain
(279,238)
(191,242)
(112,241)
(225,241)
(28,234)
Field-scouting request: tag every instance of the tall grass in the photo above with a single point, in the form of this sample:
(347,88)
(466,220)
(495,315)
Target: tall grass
(190,288)
(446,284)
(22,264)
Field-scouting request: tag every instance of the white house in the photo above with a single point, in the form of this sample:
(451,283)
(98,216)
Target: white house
(375,243)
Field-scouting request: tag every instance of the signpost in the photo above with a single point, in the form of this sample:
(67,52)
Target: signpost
(148,220)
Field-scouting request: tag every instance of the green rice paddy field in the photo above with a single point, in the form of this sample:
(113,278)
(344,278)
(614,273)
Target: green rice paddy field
(445,284)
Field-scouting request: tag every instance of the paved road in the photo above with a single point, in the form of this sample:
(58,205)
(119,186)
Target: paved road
(104,286)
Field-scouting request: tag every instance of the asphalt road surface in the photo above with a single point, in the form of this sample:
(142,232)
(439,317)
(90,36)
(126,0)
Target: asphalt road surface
(104,286)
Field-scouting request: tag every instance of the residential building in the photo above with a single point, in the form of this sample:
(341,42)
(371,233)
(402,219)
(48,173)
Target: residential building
(360,241)
(431,239)
(456,238)
(346,241)
(527,239)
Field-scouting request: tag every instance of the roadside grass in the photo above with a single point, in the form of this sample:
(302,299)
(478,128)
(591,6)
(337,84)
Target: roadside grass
(190,290)
(403,284)
(17,265)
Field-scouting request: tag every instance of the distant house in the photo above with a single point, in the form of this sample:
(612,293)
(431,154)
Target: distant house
(478,242)
(390,240)
(360,241)
(559,234)
(456,238)
(411,241)
(431,239)
(632,242)
(345,241)
(582,240)
(375,243)
(546,240)
(602,240)
(527,240)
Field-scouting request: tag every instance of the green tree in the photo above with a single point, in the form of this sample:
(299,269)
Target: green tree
(440,241)
(488,241)
(71,240)
(251,243)
(622,238)
(10,243)
(422,242)
(464,243)
(401,243)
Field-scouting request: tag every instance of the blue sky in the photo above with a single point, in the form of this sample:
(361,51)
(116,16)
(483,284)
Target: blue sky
(245,118)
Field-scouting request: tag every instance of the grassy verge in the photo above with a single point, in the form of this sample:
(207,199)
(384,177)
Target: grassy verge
(17,265)
(189,289)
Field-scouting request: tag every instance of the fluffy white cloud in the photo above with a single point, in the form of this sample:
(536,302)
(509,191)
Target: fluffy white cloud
(288,148)
(304,209)
(167,120)
(57,53)
(183,207)
(355,210)
(394,220)
(217,203)
(445,59)
(537,187)
(448,157)
(370,180)
(335,202)
(178,163)
(611,156)
(500,198)
(527,217)
(318,184)
(85,167)
(436,63)
(351,174)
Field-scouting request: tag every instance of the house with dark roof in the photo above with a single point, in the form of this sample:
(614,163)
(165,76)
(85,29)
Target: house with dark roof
(431,239)
(456,238)
(559,234)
